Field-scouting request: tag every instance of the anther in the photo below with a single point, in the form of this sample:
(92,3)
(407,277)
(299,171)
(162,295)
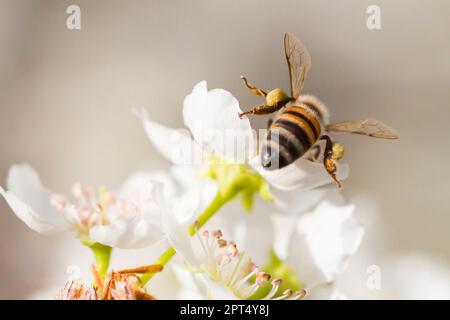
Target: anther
(276,281)
(196,224)
(98,208)
(262,278)
(300,294)
(224,259)
(217,234)
(222,243)
(287,292)
(232,249)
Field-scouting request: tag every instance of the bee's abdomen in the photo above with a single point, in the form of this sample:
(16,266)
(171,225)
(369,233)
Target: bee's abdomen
(290,136)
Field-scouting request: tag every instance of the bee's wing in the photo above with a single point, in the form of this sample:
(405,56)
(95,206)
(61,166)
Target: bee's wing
(369,127)
(299,62)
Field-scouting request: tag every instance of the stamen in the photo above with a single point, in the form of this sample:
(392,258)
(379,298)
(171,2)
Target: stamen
(196,225)
(97,278)
(93,294)
(222,243)
(246,278)
(225,265)
(84,214)
(275,285)
(69,290)
(299,294)
(217,234)
(252,290)
(98,208)
(286,294)
(232,249)
(262,278)
(93,220)
(276,281)
(235,269)
(223,260)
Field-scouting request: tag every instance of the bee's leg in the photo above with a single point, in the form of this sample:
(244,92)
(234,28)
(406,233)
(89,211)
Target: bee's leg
(269,123)
(261,109)
(330,157)
(254,90)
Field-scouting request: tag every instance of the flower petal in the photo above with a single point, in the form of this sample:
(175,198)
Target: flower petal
(175,231)
(212,117)
(323,242)
(301,175)
(415,276)
(142,183)
(175,145)
(127,233)
(192,286)
(144,226)
(325,292)
(283,227)
(218,291)
(297,202)
(196,192)
(30,201)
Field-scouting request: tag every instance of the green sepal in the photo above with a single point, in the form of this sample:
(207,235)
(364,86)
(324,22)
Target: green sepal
(234,179)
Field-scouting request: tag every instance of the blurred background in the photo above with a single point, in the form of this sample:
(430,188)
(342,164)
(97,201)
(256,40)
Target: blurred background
(66,95)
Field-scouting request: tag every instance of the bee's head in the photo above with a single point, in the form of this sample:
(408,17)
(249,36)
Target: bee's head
(275,97)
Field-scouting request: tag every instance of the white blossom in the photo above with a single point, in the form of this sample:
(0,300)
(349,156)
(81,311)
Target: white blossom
(129,219)
(312,249)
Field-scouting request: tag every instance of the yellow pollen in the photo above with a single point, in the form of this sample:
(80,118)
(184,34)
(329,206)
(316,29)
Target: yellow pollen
(275,96)
(338,151)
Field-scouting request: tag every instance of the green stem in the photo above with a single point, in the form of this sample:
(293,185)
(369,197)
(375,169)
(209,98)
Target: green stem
(102,255)
(162,260)
(218,202)
(209,212)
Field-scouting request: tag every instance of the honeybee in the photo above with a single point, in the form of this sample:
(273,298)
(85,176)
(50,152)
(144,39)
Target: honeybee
(302,120)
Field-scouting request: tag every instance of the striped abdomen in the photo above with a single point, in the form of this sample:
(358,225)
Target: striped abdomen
(289,137)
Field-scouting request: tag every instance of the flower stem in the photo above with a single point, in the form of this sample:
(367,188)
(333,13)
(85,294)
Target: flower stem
(102,255)
(209,212)
(162,260)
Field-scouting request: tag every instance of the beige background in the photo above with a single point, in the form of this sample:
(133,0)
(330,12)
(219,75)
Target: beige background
(65,99)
